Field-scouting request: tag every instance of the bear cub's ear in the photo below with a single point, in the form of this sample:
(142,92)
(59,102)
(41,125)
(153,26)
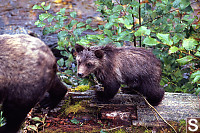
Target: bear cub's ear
(79,48)
(99,54)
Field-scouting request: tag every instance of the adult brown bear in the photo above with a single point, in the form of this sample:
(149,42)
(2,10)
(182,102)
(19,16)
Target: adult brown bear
(27,71)
(138,68)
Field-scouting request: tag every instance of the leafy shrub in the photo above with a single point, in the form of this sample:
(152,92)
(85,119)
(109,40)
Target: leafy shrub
(164,26)
(2,119)
(69,31)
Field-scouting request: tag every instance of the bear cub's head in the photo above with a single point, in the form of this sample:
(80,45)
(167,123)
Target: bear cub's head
(88,60)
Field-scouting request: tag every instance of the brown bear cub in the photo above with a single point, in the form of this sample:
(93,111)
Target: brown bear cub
(27,71)
(135,67)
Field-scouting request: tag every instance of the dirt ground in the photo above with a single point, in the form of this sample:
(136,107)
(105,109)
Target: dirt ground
(87,122)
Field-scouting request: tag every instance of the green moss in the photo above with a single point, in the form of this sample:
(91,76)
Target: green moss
(75,108)
(81,88)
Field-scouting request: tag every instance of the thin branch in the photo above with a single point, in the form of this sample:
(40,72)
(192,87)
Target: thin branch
(106,130)
(155,110)
(134,37)
(140,41)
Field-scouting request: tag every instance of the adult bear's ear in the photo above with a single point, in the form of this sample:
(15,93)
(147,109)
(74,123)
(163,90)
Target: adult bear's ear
(99,54)
(79,48)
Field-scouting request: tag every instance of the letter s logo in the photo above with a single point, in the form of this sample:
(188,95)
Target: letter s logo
(193,123)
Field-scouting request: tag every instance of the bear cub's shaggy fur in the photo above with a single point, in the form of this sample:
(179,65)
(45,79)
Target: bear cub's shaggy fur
(27,71)
(135,67)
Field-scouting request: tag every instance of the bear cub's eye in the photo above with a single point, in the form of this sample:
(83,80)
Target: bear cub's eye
(89,65)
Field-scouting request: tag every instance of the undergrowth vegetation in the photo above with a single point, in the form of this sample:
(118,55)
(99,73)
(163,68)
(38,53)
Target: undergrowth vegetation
(168,27)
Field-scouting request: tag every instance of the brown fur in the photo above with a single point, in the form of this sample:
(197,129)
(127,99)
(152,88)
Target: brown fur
(138,68)
(27,71)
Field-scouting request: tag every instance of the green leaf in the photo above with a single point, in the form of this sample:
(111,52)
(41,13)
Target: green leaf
(150,41)
(78,32)
(195,76)
(196,79)
(61,12)
(62,35)
(117,8)
(37,22)
(189,44)
(177,38)
(59,47)
(73,14)
(127,21)
(197,73)
(197,54)
(178,89)
(198,48)
(80,24)
(100,36)
(47,7)
(165,38)
(112,18)
(42,4)
(36,119)
(88,21)
(165,1)
(72,23)
(65,53)
(37,7)
(108,25)
(184,4)
(33,127)
(133,12)
(105,41)
(40,24)
(176,3)
(50,18)
(67,81)
(88,27)
(58,25)
(108,32)
(61,62)
(70,58)
(48,30)
(173,49)
(180,27)
(60,18)
(118,44)
(197,90)
(75,121)
(122,35)
(43,16)
(121,20)
(142,31)
(154,14)
(185,60)
(128,26)
(91,37)
(188,18)
(83,42)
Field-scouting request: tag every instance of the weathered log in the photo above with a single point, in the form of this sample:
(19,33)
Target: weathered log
(126,108)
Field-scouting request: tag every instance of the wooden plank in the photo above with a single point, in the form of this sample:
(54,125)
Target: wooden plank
(119,114)
(174,107)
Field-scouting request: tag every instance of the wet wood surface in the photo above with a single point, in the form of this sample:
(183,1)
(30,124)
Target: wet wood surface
(126,108)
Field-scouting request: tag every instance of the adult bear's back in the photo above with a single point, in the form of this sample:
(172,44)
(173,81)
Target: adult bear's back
(27,71)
